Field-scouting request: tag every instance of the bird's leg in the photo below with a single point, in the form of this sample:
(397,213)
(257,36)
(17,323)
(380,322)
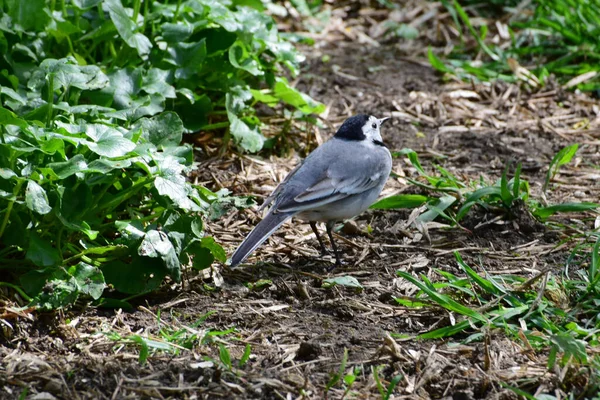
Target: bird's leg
(313,225)
(329,225)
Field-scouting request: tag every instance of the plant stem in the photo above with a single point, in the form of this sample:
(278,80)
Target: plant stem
(50,98)
(10,206)
(125,194)
(16,289)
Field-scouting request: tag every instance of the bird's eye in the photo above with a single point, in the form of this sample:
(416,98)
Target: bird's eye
(374,125)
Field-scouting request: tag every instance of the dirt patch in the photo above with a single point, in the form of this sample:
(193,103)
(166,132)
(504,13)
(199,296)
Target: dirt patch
(296,328)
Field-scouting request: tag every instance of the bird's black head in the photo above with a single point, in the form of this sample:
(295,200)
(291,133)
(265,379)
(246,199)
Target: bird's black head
(351,129)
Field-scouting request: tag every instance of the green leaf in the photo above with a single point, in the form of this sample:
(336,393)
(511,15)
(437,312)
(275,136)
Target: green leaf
(156,81)
(293,97)
(188,58)
(65,169)
(163,130)
(41,252)
(107,141)
(401,201)
(66,73)
(570,347)
(216,249)
(28,15)
(58,293)
(89,279)
(436,210)
(446,331)
(247,138)
(156,244)
(140,275)
(36,198)
(171,183)
(126,28)
(9,118)
(442,299)
(564,156)
(240,58)
(6,173)
(474,197)
(246,355)
(505,193)
(544,212)
(348,281)
(436,62)
(224,356)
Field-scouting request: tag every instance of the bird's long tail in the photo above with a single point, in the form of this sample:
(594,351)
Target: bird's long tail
(259,234)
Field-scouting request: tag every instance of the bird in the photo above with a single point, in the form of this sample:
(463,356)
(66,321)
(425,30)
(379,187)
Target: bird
(338,180)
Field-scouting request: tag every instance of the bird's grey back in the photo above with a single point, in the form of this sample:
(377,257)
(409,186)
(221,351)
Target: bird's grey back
(337,159)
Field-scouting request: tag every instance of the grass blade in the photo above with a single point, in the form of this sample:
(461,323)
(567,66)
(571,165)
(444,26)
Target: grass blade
(442,299)
(544,212)
(401,201)
(564,156)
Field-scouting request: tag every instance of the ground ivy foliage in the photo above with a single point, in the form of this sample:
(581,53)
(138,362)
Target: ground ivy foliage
(96,96)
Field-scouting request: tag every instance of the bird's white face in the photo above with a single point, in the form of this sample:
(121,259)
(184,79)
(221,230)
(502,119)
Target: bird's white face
(371,129)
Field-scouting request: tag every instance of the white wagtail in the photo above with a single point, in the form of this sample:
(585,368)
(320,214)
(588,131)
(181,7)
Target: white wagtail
(338,180)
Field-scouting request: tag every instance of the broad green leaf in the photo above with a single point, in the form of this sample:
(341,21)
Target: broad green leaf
(89,279)
(163,130)
(41,252)
(104,166)
(9,118)
(6,173)
(66,73)
(139,275)
(157,81)
(86,4)
(156,244)
(293,97)
(127,28)
(247,138)
(170,182)
(65,169)
(187,57)
(28,15)
(177,32)
(240,58)
(36,198)
(215,248)
(58,293)
(401,201)
(107,141)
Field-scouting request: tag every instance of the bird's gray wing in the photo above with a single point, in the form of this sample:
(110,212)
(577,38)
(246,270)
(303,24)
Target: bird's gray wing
(279,187)
(319,183)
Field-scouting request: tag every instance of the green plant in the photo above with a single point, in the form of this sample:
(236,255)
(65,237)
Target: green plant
(383,391)
(553,37)
(509,303)
(457,198)
(336,377)
(96,98)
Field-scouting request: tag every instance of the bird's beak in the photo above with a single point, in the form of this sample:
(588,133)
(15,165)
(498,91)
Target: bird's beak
(382,120)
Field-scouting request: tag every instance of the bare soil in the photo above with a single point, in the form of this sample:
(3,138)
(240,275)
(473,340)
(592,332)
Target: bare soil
(298,329)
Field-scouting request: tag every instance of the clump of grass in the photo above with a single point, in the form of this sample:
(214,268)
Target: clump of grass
(453,198)
(544,37)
